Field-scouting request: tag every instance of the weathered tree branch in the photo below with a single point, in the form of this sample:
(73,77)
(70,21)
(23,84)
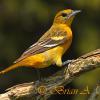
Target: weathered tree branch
(38,90)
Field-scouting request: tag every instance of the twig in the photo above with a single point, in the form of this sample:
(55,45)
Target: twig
(96,93)
(39,90)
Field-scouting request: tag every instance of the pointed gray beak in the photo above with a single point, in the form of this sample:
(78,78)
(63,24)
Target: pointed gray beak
(75,12)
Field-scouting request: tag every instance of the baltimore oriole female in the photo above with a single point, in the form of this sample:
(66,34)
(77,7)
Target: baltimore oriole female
(51,46)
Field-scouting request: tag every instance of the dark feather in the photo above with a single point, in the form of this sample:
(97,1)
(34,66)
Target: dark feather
(43,44)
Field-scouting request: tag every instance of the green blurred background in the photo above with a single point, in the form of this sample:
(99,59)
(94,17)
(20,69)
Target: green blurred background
(22,22)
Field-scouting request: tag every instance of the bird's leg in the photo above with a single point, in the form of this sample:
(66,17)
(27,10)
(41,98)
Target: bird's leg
(40,78)
(38,74)
(67,62)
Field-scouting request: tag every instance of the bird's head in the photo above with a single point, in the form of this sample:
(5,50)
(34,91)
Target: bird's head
(65,16)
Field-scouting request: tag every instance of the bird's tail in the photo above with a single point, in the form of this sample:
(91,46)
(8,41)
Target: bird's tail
(9,68)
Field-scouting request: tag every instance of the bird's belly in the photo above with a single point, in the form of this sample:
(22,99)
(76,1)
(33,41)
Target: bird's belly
(54,55)
(46,58)
(36,61)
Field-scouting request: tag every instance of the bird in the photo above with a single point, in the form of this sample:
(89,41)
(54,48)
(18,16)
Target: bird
(49,49)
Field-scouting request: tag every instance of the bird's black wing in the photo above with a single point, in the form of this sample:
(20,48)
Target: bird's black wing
(45,43)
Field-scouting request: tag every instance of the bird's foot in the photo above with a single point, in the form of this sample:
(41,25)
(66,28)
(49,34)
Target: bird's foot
(67,62)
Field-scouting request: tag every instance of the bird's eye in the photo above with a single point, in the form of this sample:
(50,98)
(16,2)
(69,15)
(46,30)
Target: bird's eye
(64,14)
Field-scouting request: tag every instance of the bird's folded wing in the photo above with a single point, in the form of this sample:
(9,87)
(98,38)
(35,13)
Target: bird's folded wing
(45,43)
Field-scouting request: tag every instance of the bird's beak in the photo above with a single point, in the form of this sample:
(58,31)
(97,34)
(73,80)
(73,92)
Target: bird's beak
(74,13)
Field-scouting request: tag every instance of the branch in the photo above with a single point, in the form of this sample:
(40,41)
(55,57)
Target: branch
(95,95)
(39,90)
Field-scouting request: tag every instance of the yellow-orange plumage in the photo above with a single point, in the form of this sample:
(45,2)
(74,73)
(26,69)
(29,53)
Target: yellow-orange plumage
(51,46)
